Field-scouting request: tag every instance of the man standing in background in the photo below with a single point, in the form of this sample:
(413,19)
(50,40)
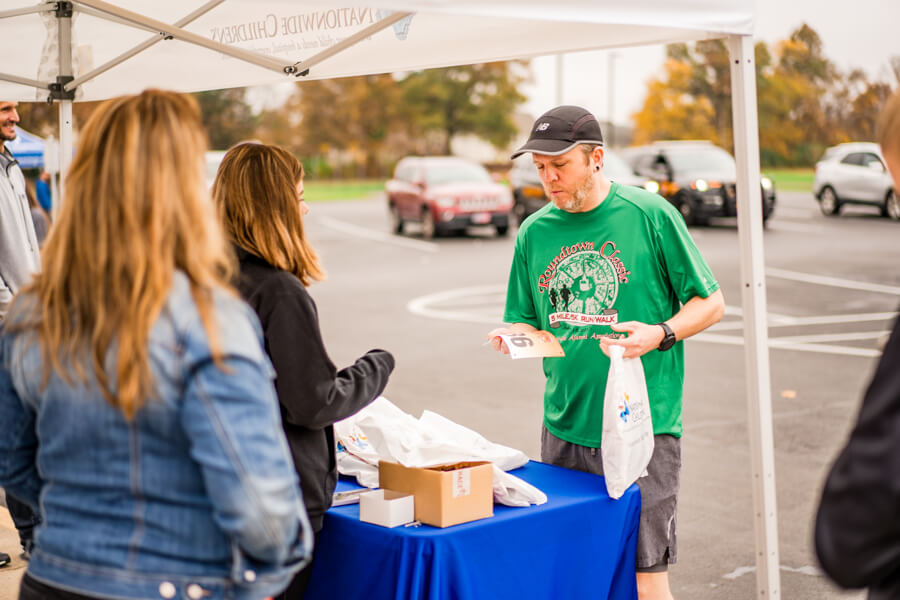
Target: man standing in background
(19,259)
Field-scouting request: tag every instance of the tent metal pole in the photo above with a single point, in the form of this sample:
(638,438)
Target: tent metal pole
(64,24)
(304,66)
(756,337)
(16,12)
(24,81)
(170,31)
(141,47)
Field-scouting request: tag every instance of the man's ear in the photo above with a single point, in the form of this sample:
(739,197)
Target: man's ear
(597,155)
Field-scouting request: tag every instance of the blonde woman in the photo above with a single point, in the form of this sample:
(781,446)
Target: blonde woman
(136,379)
(259,195)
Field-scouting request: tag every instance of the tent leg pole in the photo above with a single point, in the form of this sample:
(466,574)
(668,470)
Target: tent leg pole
(756,337)
(64,25)
(65,146)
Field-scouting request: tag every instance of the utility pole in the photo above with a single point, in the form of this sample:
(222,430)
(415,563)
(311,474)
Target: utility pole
(559,79)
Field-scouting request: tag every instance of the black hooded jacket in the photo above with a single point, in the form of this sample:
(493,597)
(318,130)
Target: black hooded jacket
(313,394)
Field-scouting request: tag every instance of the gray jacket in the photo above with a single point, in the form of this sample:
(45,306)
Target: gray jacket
(19,253)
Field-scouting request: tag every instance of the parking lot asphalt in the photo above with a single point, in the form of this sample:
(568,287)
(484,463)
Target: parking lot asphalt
(832,292)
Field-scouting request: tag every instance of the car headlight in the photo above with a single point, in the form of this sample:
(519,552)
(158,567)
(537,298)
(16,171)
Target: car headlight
(765,182)
(701,185)
(445,201)
(652,186)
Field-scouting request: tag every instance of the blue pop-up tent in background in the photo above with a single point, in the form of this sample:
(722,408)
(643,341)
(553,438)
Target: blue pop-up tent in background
(28,149)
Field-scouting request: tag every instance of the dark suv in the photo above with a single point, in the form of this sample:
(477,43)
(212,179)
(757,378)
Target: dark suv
(697,177)
(446,194)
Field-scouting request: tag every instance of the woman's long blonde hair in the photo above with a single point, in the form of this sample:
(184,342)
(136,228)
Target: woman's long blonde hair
(136,209)
(256,195)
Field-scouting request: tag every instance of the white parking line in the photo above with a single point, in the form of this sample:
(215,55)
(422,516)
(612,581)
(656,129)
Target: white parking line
(832,281)
(421,305)
(785,321)
(483,304)
(831,337)
(737,340)
(807,570)
(378,236)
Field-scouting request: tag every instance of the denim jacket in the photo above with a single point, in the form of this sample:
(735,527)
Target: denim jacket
(196,497)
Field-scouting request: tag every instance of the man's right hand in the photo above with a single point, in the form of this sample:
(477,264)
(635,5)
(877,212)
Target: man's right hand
(498,344)
(496,341)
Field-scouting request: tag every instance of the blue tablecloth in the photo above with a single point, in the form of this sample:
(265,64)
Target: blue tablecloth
(580,544)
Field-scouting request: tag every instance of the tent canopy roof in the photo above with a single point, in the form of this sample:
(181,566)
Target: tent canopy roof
(438,33)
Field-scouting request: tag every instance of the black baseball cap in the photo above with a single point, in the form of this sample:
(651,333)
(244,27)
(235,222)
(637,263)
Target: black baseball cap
(560,129)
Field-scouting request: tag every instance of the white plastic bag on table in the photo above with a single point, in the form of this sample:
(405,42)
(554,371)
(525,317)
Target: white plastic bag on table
(383,431)
(627,442)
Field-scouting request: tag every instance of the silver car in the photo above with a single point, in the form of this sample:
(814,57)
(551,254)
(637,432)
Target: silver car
(855,173)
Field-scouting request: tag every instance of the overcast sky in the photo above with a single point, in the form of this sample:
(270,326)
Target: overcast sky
(864,39)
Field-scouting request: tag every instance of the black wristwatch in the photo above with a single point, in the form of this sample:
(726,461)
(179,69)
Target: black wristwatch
(668,339)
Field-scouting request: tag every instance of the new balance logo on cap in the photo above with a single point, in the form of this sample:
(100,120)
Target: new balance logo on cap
(560,129)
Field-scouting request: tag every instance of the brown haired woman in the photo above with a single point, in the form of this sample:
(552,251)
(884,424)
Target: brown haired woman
(259,195)
(137,379)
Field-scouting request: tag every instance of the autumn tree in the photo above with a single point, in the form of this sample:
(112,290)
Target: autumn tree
(353,117)
(693,98)
(479,99)
(804,103)
(367,123)
(227,116)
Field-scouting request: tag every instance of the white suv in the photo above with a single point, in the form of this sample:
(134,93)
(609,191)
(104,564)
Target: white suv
(854,173)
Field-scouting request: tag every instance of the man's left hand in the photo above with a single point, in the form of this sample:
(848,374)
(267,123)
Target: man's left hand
(642,338)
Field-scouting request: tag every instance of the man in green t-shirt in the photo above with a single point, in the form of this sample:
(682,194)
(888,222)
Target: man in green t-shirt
(606,264)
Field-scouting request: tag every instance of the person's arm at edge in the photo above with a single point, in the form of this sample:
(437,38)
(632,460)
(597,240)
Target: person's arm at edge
(857,530)
(18,440)
(695,315)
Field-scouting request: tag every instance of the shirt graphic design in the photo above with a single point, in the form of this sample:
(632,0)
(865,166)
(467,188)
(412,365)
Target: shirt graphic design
(582,284)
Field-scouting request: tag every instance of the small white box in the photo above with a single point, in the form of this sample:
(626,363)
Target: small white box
(387,508)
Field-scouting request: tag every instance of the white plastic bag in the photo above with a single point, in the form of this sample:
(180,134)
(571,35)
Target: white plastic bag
(382,431)
(627,442)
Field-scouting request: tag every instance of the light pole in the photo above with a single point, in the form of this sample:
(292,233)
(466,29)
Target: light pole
(610,90)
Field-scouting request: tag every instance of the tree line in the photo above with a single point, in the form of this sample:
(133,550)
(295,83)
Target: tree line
(805,103)
(360,126)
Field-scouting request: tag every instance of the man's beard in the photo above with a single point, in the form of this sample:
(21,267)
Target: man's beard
(580,195)
(7,138)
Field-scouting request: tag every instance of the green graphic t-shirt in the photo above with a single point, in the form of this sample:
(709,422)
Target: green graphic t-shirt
(573,274)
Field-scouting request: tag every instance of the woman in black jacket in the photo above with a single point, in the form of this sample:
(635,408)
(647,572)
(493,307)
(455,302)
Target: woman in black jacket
(258,192)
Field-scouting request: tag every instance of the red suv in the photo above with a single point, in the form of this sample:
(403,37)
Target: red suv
(446,194)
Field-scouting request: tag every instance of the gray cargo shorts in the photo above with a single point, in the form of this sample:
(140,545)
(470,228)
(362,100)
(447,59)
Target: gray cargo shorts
(657,543)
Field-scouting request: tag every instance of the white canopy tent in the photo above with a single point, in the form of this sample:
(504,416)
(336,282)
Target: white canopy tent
(91,49)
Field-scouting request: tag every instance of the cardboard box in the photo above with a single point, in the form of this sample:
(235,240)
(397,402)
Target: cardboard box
(387,508)
(445,494)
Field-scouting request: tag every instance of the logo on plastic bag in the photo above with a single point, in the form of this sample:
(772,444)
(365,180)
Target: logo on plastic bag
(354,443)
(624,410)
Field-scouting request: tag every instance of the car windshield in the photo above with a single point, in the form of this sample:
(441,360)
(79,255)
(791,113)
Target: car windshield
(690,160)
(614,167)
(456,172)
